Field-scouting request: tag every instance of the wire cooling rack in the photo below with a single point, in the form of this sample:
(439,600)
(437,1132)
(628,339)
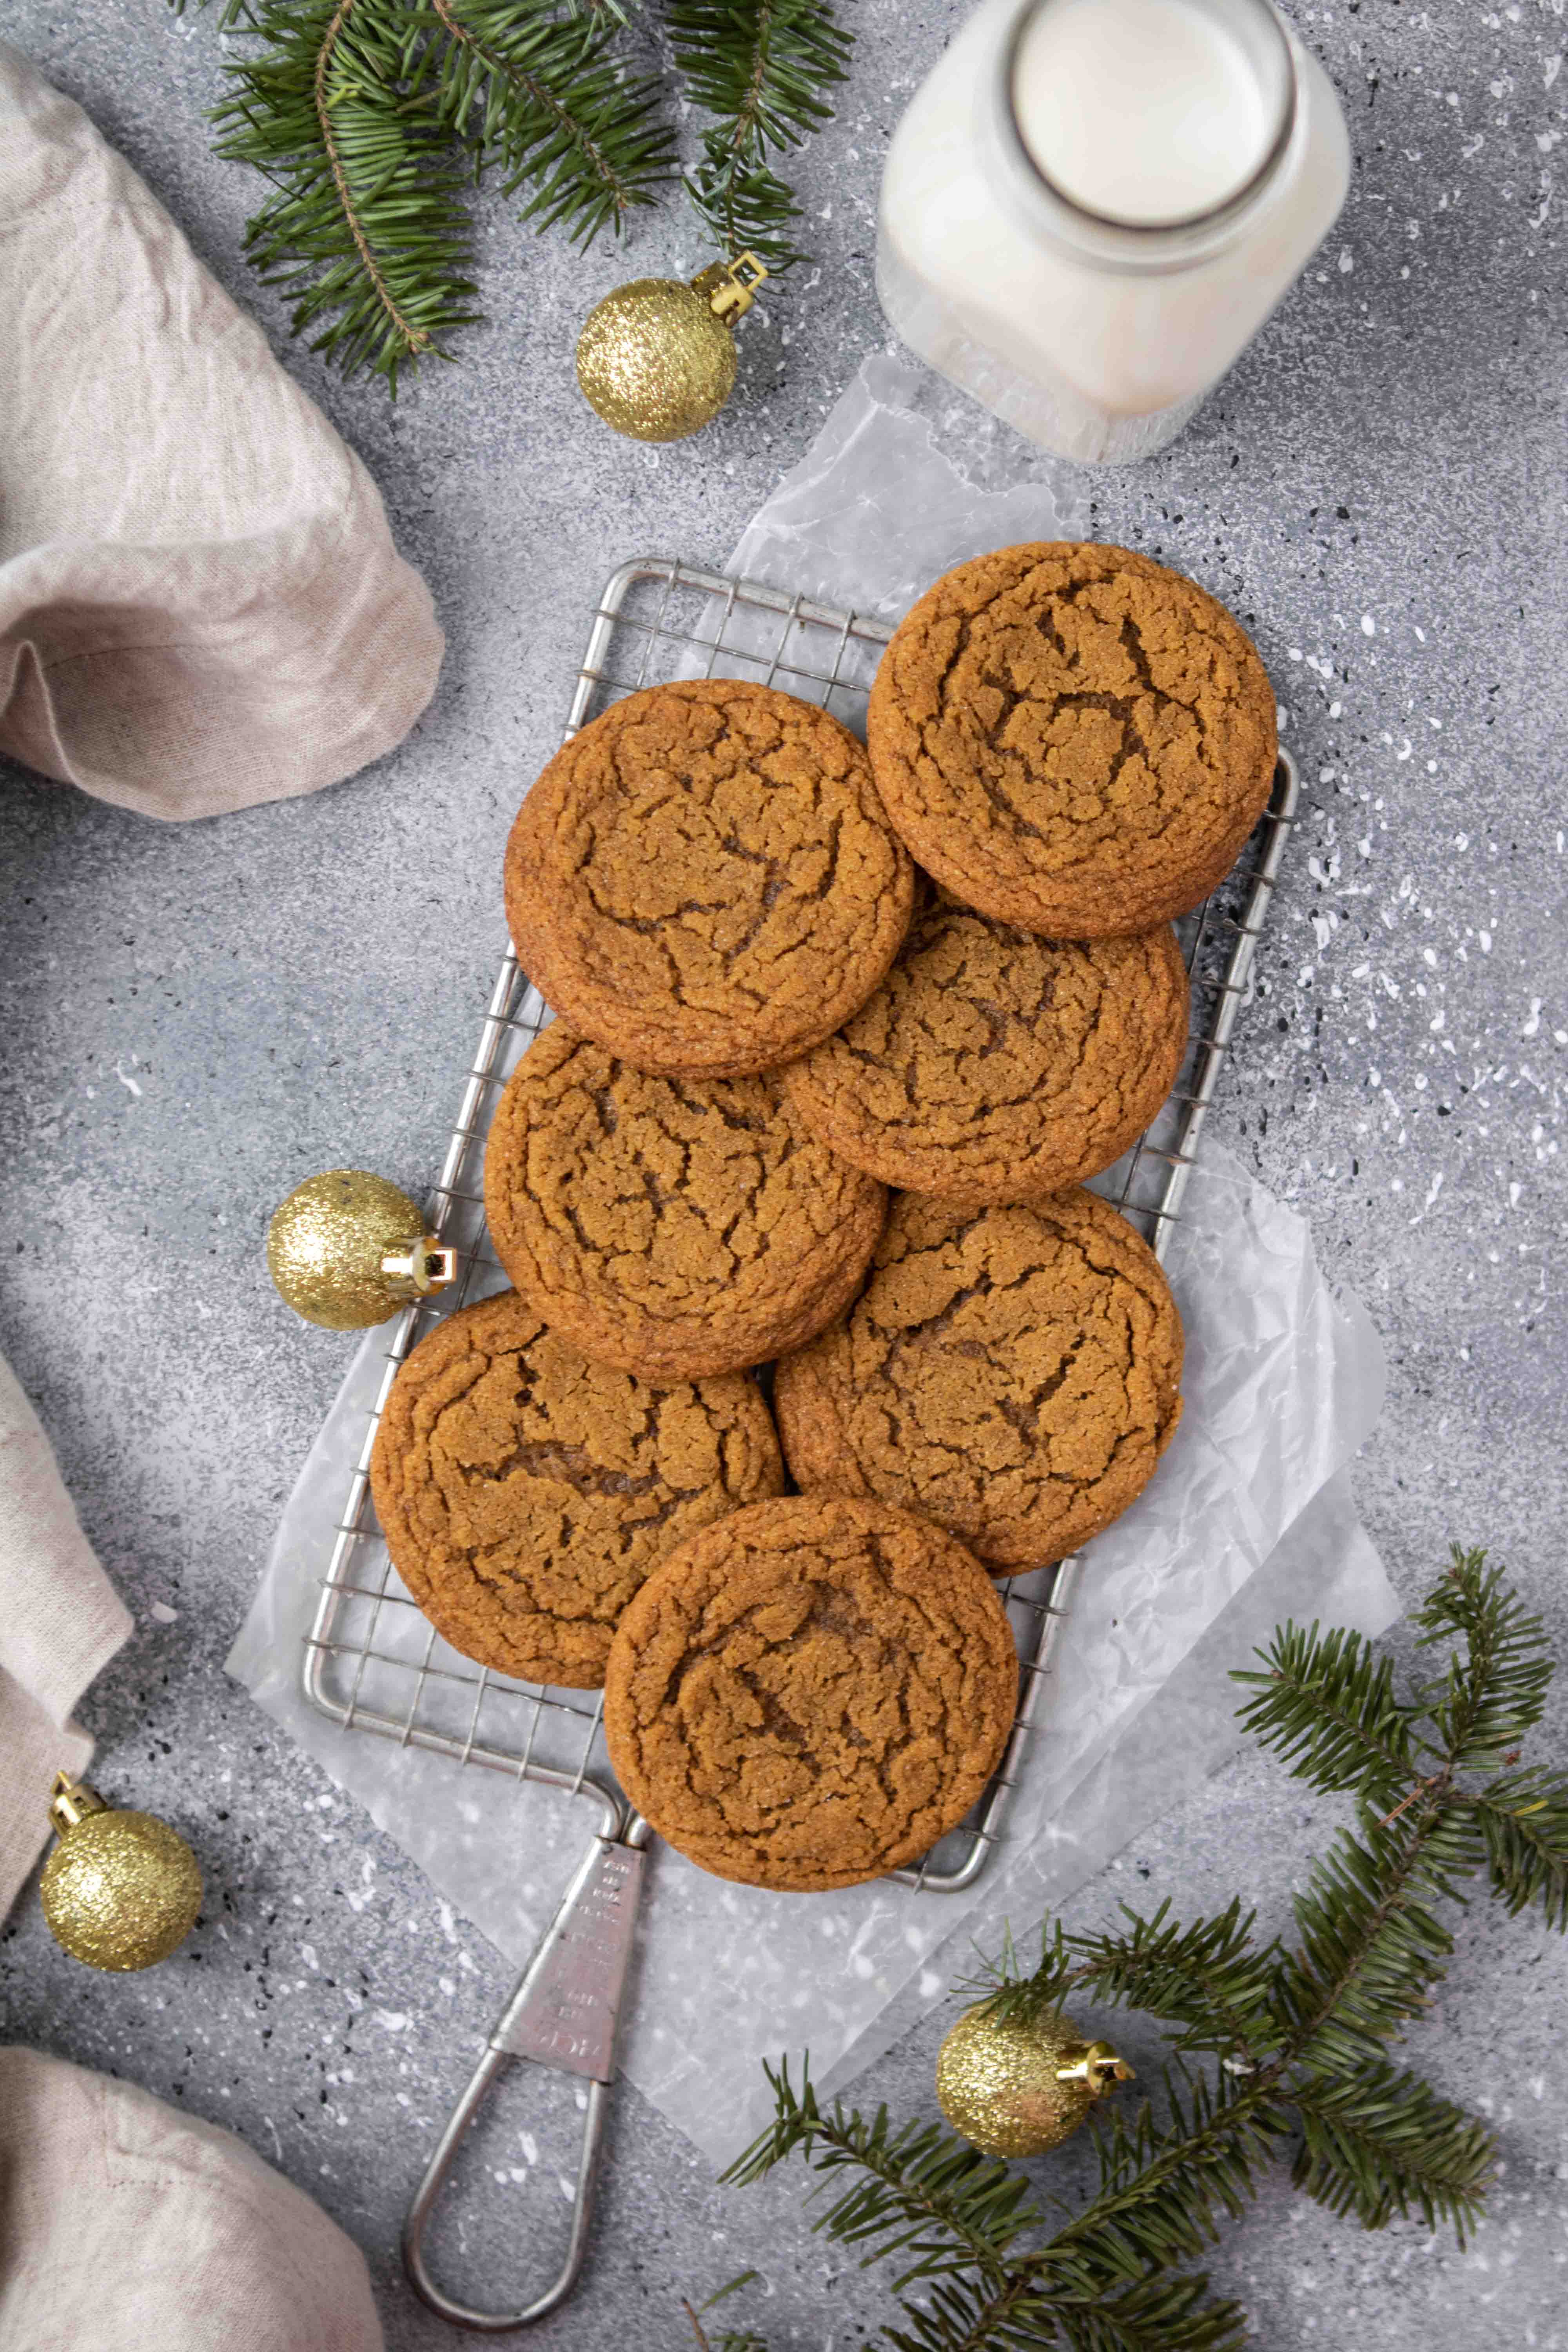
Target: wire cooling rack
(372,1663)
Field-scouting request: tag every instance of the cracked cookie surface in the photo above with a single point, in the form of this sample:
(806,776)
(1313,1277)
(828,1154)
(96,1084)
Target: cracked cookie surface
(670,1227)
(810,1693)
(1013,1373)
(996,1065)
(705,881)
(525,1492)
(1073,737)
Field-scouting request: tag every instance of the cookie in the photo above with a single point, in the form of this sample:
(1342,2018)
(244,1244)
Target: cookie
(996,1065)
(1012,1373)
(1073,739)
(811,1693)
(704,879)
(525,1492)
(670,1227)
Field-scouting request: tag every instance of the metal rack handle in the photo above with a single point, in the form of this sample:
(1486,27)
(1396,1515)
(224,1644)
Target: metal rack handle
(563,2014)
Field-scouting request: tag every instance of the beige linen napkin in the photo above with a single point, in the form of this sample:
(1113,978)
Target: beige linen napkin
(60,1623)
(127,2227)
(200,602)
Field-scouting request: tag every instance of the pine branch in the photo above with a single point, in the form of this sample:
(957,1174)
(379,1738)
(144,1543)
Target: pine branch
(1371,1945)
(370,116)
(1523,1817)
(1382,2142)
(1207,1977)
(1020,1997)
(731,2339)
(1493,1694)
(543,96)
(1301,2035)
(367,233)
(1164,2186)
(1326,1706)
(1158,2314)
(969,2314)
(761,68)
(922,2192)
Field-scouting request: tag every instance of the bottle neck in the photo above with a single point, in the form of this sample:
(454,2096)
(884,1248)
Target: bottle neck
(1016,159)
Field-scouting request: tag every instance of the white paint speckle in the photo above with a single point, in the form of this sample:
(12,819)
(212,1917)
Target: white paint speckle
(1368,625)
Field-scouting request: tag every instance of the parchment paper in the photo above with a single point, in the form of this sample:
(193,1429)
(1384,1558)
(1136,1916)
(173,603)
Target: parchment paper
(1248,1519)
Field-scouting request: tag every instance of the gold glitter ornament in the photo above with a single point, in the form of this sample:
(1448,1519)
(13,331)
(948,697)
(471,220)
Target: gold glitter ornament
(121,1889)
(347,1249)
(1015,2086)
(656,358)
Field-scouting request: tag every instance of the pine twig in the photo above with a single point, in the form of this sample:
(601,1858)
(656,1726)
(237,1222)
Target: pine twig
(365,231)
(542,96)
(1302,2035)
(762,68)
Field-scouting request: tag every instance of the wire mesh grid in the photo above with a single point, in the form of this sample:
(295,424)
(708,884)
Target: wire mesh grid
(372,1663)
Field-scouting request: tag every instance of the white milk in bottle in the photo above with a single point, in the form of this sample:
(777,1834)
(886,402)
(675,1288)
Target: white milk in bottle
(1091,205)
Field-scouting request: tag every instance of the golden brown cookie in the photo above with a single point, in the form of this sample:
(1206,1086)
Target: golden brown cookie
(1013,1373)
(670,1227)
(1072,738)
(704,879)
(525,1492)
(992,1064)
(811,1693)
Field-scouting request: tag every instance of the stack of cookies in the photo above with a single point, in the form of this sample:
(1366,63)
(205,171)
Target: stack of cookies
(811,1102)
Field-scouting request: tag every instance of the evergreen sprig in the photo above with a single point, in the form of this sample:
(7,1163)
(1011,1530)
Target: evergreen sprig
(366,232)
(761,67)
(1272,2048)
(544,99)
(371,118)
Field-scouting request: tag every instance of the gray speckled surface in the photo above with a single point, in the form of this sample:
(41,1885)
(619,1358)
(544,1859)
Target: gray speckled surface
(197,1017)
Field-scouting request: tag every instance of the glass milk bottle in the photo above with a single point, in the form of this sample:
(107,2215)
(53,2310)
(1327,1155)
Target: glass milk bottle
(1091,205)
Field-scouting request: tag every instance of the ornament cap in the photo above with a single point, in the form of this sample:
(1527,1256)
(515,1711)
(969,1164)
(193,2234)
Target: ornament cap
(1097,2065)
(422,1267)
(729,286)
(71,1802)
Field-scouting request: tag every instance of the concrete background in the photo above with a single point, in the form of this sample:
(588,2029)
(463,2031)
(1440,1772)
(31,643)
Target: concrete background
(197,1017)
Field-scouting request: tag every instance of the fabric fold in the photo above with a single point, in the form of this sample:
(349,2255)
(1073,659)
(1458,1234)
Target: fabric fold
(124,2224)
(60,1623)
(200,605)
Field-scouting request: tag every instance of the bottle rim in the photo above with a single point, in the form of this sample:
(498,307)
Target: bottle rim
(1119,244)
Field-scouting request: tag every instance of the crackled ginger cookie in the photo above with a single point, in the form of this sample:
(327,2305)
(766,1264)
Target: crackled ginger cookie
(1073,737)
(525,1492)
(704,879)
(671,1227)
(992,1064)
(1013,1373)
(810,1693)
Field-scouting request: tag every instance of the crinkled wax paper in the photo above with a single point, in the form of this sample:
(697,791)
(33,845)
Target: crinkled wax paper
(1248,1520)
